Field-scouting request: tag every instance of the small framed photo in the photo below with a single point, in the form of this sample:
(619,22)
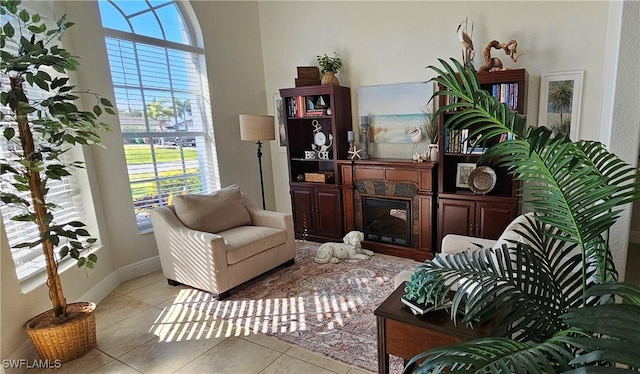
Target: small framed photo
(462,174)
(278,115)
(560,99)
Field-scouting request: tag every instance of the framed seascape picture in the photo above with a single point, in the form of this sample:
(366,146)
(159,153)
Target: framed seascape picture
(560,98)
(395,111)
(462,174)
(278,118)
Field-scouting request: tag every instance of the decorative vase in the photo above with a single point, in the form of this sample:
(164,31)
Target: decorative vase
(433,152)
(329,79)
(67,340)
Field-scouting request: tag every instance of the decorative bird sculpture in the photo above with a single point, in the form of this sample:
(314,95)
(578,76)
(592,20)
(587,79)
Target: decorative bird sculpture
(467,44)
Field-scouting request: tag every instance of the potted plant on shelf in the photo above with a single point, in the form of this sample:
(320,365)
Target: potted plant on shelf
(329,66)
(551,294)
(40,123)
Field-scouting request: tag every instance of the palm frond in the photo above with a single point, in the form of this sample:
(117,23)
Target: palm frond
(575,187)
(524,287)
(616,341)
(494,355)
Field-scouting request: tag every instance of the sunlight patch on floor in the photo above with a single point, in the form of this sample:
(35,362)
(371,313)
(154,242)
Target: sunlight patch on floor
(195,314)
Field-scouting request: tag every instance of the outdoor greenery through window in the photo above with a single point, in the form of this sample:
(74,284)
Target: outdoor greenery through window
(160,85)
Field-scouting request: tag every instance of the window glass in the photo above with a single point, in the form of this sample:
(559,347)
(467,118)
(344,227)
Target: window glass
(163,107)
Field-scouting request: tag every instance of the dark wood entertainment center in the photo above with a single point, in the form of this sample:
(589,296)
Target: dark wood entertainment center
(332,195)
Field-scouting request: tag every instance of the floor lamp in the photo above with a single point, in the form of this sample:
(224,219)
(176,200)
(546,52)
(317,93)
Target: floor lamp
(257,127)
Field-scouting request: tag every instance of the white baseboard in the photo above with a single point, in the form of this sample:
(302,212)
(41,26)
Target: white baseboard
(96,294)
(634,237)
(138,269)
(125,273)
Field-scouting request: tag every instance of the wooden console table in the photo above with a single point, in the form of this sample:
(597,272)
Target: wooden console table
(403,334)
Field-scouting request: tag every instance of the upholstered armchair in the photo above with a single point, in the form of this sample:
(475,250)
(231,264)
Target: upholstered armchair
(453,243)
(219,241)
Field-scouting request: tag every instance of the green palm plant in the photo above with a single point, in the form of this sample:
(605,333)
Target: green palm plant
(542,292)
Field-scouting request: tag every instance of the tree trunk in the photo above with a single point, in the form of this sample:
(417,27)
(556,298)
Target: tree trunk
(38,200)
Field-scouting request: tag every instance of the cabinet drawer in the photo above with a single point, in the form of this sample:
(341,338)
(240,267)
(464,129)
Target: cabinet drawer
(368,173)
(402,175)
(398,343)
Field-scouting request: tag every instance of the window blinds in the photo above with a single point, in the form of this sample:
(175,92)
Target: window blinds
(30,261)
(163,111)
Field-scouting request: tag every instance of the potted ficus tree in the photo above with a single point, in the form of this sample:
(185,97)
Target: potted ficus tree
(550,295)
(39,131)
(329,67)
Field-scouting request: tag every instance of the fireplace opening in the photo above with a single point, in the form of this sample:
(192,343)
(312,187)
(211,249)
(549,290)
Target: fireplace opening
(386,220)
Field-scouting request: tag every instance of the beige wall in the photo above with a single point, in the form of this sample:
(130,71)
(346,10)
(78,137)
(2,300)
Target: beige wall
(252,50)
(393,42)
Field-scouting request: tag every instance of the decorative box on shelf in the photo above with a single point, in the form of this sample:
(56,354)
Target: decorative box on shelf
(319,177)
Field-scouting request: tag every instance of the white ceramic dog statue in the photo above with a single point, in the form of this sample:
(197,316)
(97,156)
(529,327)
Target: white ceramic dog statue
(350,249)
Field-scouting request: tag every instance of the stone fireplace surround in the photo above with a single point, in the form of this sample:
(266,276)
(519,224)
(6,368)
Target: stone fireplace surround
(394,179)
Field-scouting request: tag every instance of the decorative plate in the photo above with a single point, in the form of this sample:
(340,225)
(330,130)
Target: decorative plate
(482,180)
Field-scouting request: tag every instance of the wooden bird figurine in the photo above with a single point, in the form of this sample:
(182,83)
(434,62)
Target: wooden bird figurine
(467,44)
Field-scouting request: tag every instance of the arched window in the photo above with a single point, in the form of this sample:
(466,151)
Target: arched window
(162,97)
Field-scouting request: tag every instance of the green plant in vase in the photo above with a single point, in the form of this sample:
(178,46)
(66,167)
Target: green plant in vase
(40,130)
(550,295)
(329,67)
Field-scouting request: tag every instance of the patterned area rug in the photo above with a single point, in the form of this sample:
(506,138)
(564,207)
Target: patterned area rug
(325,308)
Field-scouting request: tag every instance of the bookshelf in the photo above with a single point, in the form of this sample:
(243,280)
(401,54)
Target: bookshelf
(316,124)
(460,211)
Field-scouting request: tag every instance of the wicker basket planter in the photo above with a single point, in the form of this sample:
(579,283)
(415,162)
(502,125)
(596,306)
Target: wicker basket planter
(67,340)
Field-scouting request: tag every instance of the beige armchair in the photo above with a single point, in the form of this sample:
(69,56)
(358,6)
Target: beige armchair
(454,243)
(219,241)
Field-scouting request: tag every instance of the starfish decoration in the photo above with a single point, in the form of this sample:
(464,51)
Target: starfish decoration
(355,153)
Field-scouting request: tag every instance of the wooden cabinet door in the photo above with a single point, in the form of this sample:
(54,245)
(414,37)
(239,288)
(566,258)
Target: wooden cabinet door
(303,203)
(492,218)
(455,217)
(329,213)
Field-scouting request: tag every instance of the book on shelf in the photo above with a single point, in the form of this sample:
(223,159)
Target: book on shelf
(315,112)
(420,309)
(506,93)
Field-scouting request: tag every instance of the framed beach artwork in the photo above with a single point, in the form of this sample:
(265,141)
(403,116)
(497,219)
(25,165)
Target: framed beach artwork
(560,99)
(278,118)
(395,110)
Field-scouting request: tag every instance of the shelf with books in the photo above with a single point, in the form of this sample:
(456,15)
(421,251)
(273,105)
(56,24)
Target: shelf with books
(460,210)
(316,125)
(308,106)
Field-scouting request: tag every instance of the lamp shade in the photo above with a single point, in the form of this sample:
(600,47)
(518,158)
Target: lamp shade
(257,127)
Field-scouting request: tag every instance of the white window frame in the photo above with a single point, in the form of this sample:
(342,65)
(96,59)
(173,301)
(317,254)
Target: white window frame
(201,111)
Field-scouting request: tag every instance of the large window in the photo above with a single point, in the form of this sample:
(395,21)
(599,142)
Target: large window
(158,74)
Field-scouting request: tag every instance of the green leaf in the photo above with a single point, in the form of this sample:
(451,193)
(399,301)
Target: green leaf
(92,257)
(105,102)
(81,262)
(9,133)
(64,251)
(24,16)
(82,232)
(34,29)
(35,18)
(8,30)
(97,110)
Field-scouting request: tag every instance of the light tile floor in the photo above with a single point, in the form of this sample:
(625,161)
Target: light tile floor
(145,326)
